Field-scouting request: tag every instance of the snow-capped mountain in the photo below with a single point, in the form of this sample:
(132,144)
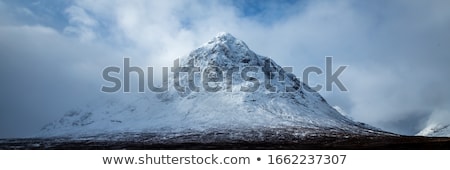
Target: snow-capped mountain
(435,130)
(224,107)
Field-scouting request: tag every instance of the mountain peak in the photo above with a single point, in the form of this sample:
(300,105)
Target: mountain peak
(230,102)
(224,36)
(231,42)
(224,50)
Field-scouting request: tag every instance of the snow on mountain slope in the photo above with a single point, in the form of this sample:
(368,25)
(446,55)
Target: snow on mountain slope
(226,108)
(436,130)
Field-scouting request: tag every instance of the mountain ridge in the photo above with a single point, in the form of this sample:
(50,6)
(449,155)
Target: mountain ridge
(200,110)
(435,130)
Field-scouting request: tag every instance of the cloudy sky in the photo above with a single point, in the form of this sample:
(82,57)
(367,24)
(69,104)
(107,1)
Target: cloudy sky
(397,52)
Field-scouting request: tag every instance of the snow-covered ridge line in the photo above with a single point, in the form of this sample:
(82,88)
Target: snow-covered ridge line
(175,111)
(435,130)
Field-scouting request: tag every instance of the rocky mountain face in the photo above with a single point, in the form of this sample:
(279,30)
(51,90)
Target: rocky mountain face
(231,89)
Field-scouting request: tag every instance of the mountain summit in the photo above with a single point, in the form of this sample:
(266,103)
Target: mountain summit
(244,92)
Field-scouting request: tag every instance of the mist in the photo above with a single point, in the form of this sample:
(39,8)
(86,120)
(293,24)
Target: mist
(53,53)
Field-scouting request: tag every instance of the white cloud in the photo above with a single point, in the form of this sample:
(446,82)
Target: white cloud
(45,74)
(397,51)
(81,24)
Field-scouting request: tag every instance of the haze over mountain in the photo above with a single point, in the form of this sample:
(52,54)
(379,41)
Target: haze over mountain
(436,130)
(53,52)
(284,103)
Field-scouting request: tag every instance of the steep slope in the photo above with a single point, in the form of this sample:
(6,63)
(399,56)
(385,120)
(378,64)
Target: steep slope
(228,104)
(436,130)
